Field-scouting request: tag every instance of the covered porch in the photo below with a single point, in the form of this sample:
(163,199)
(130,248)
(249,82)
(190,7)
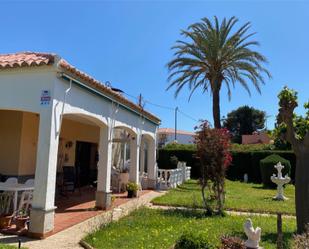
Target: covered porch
(82,147)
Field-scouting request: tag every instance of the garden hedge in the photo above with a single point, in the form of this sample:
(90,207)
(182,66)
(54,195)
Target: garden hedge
(243,162)
(267,169)
(191,240)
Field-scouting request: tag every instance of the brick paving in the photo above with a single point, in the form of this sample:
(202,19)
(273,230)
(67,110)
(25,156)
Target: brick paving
(78,207)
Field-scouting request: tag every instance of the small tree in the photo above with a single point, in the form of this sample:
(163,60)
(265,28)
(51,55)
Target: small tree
(213,152)
(244,121)
(295,129)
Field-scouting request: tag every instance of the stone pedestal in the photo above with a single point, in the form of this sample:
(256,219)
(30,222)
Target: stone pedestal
(103,199)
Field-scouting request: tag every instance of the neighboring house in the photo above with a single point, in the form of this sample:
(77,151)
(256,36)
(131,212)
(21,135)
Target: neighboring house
(256,138)
(167,135)
(54,115)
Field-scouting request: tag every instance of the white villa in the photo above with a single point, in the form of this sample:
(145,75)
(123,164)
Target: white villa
(54,115)
(167,135)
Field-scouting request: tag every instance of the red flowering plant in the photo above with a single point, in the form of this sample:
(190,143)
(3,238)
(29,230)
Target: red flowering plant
(213,153)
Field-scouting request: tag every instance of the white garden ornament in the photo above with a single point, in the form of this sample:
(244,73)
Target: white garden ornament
(254,235)
(280,181)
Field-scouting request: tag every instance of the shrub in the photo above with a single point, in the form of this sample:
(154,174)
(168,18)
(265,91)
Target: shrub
(301,241)
(251,147)
(176,146)
(228,242)
(249,163)
(213,153)
(183,155)
(192,241)
(174,161)
(244,161)
(132,186)
(267,168)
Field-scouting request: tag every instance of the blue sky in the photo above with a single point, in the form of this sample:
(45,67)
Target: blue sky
(128,43)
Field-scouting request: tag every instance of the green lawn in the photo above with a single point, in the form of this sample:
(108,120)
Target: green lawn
(3,246)
(239,196)
(159,229)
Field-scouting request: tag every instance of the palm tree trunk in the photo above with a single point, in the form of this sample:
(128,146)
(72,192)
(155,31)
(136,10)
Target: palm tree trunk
(216,107)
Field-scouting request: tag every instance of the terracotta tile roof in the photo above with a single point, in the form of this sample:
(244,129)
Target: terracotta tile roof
(172,131)
(27,59)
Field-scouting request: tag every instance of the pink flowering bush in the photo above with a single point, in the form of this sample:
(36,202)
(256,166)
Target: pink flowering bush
(213,153)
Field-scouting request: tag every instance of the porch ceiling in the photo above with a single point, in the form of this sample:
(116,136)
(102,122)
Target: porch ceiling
(77,118)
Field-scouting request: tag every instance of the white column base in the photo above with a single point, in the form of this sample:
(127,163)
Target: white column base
(41,222)
(103,199)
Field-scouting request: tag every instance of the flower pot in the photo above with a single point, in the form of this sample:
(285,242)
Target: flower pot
(124,179)
(21,222)
(132,193)
(5,220)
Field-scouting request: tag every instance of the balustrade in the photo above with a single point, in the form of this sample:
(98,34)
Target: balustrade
(171,178)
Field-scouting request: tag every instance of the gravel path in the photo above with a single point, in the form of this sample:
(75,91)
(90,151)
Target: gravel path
(230,212)
(70,238)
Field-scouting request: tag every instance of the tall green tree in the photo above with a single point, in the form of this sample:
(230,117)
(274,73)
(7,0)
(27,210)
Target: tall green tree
(213,54)
(244,121)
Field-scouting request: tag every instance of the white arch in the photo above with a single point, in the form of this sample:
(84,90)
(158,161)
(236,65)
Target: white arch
(131,130)
(148,136)
(19,110)
(91,118)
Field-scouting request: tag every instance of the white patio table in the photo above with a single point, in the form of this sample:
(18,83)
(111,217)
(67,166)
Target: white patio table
(15,188)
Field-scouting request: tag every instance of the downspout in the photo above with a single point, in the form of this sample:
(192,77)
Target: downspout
(139,141)
(113,117)
(64,102)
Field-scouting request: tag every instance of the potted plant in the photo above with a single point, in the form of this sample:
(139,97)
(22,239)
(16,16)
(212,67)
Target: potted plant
(132,189)
(124,178)
(21,219)
(5,216)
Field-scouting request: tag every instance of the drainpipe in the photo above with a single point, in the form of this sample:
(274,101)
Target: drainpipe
(113,118)
(64,102)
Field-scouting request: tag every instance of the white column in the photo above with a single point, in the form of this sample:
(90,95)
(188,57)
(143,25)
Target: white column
(134,159)
(152,164)
(142,156)
(103,194)
(43,205)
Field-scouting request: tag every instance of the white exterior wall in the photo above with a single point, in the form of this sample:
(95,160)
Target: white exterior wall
(181,139)
(82,101)
(21,88)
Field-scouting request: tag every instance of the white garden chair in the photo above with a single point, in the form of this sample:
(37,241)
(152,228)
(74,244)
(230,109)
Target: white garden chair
(5,202)
(25,202)
(29,182)
(11,180)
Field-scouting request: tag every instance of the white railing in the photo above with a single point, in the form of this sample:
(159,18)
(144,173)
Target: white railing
(171,178)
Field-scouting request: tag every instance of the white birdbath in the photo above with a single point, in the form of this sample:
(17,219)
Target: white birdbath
(280,181)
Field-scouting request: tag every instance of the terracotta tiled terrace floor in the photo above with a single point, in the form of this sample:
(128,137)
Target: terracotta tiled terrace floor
(78,207)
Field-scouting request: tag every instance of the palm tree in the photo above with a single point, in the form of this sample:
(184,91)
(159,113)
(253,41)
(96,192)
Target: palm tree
(213,55)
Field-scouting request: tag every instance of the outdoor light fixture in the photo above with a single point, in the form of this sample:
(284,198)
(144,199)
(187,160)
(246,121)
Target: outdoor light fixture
(69,144)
